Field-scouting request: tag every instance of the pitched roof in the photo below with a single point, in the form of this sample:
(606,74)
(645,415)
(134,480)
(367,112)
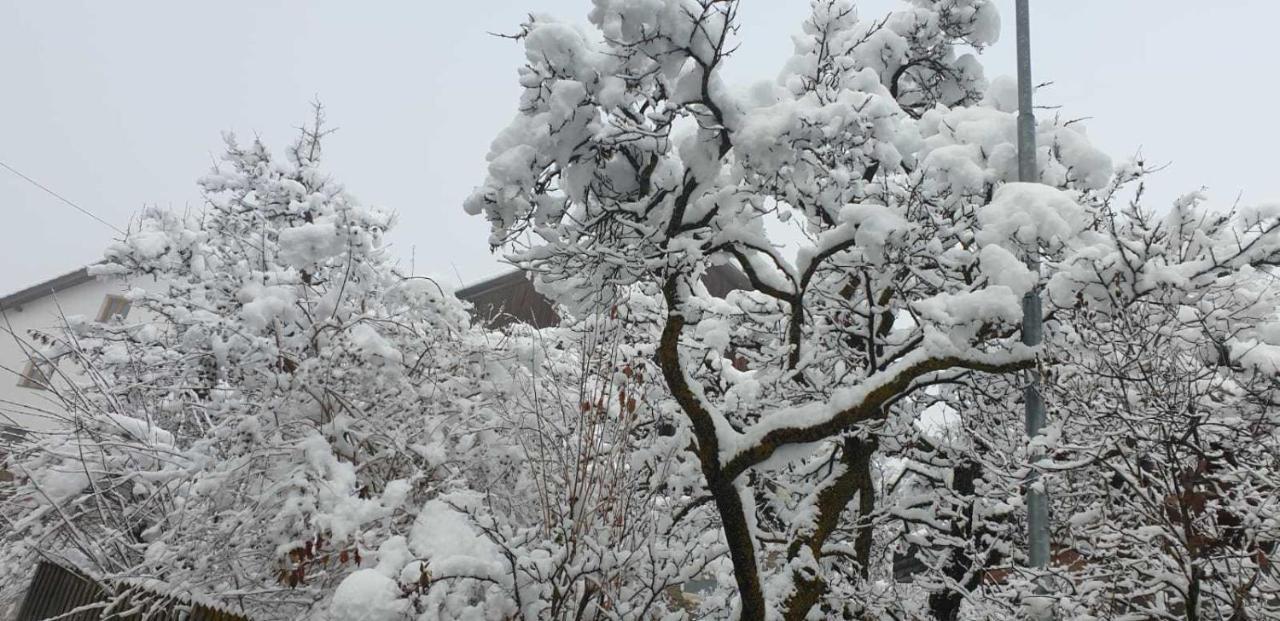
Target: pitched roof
(48,287)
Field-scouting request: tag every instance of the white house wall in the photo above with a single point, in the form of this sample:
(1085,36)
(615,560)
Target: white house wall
(20,405)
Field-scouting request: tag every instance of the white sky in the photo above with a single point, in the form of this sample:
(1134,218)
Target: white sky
(119,105)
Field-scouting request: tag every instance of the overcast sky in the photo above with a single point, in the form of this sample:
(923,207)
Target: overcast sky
(120,105)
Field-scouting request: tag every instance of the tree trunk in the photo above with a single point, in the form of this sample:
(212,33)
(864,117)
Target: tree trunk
(944,605)
(733,517)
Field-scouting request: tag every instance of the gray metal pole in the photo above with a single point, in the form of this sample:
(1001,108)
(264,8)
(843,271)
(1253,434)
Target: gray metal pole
(1032,319)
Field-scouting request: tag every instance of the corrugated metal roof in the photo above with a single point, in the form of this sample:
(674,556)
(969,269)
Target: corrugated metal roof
(56,591)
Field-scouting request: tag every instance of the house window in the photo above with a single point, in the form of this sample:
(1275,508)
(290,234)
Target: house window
(36,375)
(112,307)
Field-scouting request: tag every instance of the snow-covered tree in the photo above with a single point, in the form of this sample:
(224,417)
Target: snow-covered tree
(305,432)
(1161,460)
(887,161)
(290,401)
(1170,431)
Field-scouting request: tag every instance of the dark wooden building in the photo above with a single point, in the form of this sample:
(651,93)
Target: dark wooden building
(511,298)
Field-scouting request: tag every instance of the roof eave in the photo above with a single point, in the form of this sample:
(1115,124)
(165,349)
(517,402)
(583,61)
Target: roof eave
(60,283)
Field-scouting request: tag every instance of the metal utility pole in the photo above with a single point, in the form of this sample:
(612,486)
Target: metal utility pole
(1032,319)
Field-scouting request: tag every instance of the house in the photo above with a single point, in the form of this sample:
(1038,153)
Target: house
(24,377)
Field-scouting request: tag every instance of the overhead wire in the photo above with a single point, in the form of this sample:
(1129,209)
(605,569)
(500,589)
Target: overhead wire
(61,198)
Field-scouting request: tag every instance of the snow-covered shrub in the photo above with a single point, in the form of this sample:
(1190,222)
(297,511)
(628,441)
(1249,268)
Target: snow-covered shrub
(571,513)
(291,403)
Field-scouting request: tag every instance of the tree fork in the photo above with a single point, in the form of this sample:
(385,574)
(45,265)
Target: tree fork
(855,480)
(733,517)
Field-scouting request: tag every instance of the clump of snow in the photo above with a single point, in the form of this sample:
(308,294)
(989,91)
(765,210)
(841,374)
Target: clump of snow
(263,305)
(1002,94)
(1084,163)
(60,484)
(1005,269)
(1252,353)
(148,243)
(985,22)
(996,302)
(958,164)
(445,538)
(306,245)
(1031,215)
(368,595)
(876,226)
(373,345)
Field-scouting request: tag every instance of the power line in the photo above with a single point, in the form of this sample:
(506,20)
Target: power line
(61,198)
